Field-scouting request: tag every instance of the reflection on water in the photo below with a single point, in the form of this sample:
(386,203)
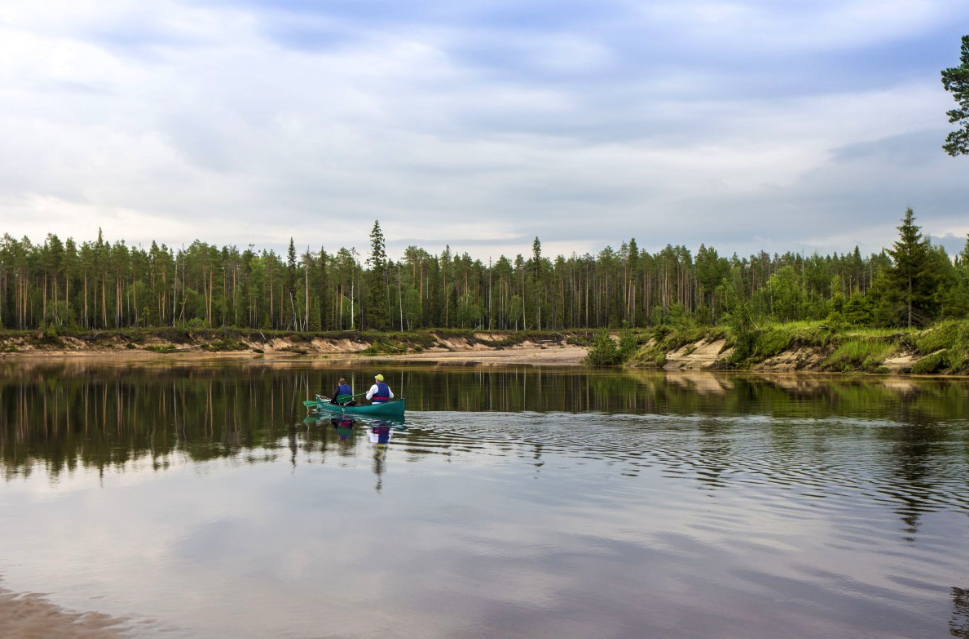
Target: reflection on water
(959,625)
(109,416)
(105,417)
(519,502)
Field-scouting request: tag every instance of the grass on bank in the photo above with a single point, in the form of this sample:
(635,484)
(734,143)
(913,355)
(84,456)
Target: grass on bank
(941,348)
(861,354)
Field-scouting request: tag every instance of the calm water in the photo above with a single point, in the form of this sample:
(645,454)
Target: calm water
(201,502)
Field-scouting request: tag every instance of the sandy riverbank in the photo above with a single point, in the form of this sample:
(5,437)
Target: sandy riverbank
(529,354)
(31,616)
(444,351)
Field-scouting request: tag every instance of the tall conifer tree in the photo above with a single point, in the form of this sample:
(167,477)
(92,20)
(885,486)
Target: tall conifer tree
(376,310)
(911,275)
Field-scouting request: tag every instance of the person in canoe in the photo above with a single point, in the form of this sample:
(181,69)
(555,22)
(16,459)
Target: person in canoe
(379,393)
(343,394)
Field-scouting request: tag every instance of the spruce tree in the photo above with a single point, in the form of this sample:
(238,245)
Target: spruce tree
(376,309)
(912,279)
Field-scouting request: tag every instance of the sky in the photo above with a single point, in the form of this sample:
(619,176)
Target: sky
(776,125)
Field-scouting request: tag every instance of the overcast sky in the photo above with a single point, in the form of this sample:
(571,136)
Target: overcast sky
(803,125)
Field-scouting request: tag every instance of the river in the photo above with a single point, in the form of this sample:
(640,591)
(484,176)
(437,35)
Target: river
(204,501)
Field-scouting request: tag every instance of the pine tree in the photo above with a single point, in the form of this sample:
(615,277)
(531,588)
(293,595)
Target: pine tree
(537,291)
(956,81)
(377,314)
(911,276)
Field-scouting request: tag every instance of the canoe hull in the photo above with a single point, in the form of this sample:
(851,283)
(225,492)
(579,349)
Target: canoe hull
(393,408)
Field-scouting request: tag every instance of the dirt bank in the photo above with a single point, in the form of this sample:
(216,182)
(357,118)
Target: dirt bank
(820,351)
(488,348)
(716,355)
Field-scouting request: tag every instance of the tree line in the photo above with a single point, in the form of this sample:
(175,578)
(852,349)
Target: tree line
(100,284)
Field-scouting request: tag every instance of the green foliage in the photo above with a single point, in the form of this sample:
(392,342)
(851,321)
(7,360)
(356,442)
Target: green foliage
(50,337)
(377,309)
(940,336)
(860,355)
(384,347)
(224,345)
(931,364)
(606,352)
(958,353)
(666,339)
(956,81)
(770,343)
(787,294)
(161,348)
(945,347)
(104,285)
(914,275)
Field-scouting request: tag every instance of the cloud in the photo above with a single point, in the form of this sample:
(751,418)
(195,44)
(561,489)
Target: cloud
(742,125)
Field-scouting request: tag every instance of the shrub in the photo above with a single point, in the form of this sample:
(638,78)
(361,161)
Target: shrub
(605,351)
(860,354)
(930,364)
(938,337)
(220,345)
(50,337)
(770,343)
(161,348)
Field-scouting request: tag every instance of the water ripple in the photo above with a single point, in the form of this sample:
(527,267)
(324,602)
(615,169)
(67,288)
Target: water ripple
(830,463)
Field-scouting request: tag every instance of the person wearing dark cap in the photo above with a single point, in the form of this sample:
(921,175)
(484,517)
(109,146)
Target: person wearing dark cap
(379,392)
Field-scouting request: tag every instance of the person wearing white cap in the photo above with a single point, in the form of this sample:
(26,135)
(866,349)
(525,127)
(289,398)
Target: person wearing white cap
(379,392)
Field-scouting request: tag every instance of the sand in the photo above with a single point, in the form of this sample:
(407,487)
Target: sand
(459,352)
(526,353)
(31,616)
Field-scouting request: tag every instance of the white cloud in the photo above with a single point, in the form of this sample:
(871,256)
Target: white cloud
(178,122)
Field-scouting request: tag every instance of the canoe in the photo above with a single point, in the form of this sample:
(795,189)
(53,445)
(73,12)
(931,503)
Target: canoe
(393,408)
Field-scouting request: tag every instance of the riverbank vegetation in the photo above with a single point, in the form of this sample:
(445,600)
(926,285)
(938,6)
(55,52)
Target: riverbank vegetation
(59,286)
(942,348)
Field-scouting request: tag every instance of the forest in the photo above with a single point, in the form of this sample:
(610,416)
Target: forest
(98,285)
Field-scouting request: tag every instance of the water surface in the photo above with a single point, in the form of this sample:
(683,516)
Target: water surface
(200,501)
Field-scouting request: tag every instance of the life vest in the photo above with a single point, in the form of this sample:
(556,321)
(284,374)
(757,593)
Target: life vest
(343,394)
(382,395)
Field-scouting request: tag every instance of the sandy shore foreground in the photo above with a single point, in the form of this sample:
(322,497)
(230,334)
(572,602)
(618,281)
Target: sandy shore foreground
(30,616)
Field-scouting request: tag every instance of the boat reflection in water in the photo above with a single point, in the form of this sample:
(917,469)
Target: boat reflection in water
(343,426)
(379,433)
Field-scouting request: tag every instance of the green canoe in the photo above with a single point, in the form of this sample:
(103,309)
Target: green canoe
(393,408)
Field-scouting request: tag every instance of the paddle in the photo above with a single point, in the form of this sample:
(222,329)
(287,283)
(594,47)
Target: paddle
(323,398)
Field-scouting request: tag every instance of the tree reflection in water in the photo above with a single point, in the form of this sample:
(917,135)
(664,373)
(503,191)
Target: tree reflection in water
(959,624)
(59,416)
